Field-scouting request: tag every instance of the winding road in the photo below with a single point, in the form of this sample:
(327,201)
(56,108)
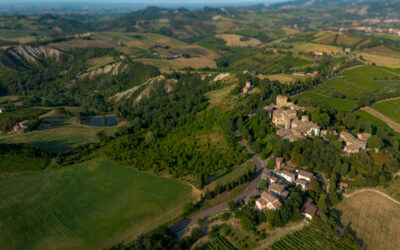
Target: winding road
(223,206)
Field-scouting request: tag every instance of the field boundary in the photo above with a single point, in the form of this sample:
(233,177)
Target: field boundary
(374,191)
(394,125)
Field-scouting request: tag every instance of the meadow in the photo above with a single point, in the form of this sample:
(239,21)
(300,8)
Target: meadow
(86,206)
(367,117)
(390,109)
(374,218)
(355,83)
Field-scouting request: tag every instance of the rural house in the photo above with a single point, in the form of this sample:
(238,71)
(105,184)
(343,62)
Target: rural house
(277,189)
(305,175)
(268,201)
(288,176)
(302,183)
(247,88)
(21,127)
(353,145)
(309,210)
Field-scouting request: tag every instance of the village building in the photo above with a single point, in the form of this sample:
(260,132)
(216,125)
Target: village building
(277,189)
(353,144)
(21,127)
(303,183)
(268,201)
(299,73)
(279,162)
(309,210)
(247,88)
(343,186)
(347,50)
(288,176)
(269,177)
(363,136)
(305,175)
(319,53)
(315,73)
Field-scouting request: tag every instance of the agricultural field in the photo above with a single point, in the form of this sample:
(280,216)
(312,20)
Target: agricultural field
(313,47)
(238,40)
(390,109)
(308,239)
(379,60)
(61,135)
(355,83)
(374,218)
(367,117)
(221,97)
(315,96)
(86,206)
(219,243)
(283,78)
(347,40)
(154,49)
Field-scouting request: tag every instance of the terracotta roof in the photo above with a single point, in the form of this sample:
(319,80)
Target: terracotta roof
(309,208)
(269,197)
(305,173)
(276,188)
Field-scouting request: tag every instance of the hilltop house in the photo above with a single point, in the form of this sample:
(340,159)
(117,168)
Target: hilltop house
(288,176)
(353,145)
(247,88)
(309,210)
(268,201)
(305,175)
(21,127)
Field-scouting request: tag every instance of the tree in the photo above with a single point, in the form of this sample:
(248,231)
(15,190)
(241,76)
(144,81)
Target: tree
(149,138)
(263,184)
(248,221)
(322,202)
(375,142)
(314,185)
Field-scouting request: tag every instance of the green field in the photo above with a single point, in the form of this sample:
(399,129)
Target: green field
(230,175)
(86,206)
(343,104)
(367,117)
(390,109)
(355,83)
(308,239)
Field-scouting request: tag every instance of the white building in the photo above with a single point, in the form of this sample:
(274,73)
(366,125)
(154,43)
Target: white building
(288,176)
(305,175)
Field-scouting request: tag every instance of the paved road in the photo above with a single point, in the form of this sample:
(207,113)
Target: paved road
(223,206)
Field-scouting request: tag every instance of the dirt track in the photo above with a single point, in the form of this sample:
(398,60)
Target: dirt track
(389,122)
(371,190)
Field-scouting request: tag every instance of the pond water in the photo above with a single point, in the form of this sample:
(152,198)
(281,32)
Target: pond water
(98,121)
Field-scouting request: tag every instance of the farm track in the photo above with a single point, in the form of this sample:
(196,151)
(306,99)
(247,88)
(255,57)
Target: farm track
(372,190)
(394,125)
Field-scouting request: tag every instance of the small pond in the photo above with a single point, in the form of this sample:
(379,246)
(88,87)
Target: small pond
(102,121)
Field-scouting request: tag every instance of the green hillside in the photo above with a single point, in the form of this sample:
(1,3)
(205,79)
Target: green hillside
(357,84)
(85,206)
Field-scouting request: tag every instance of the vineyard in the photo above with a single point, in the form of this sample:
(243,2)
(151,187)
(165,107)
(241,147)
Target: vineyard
(308,239)
(219,243)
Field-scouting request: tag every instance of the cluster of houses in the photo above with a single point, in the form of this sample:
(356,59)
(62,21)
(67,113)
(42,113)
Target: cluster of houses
(284,114)
(278,180)
(21,127)
(314,73)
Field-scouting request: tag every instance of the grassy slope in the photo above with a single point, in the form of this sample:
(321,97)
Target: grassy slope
(390,109)
(367,117)
(375,219)
(90,205)
(355,83)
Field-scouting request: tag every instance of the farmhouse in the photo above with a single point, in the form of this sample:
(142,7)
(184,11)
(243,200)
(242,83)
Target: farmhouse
(299,73)
(353,145)
(319,53)
(247,88)
(21,127)
(268,201)
(309,210)
(305,175)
